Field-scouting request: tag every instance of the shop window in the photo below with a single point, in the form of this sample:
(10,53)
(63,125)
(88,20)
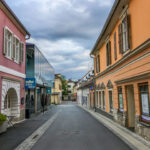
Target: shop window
(120,96)
(111,101)
(97,98)
(145,105)
(100,99)
(108,53)
(103,95)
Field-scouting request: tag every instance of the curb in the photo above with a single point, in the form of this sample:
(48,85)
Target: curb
(134,141)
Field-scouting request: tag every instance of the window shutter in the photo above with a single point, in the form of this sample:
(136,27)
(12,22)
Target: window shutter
(129,31)
(120,34)
(5,42)
(14,47)
(109,44)
(98,63)
(115,47)
(22,52)
(107,54)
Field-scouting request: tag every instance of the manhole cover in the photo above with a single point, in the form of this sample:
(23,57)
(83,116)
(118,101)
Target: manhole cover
(65,132)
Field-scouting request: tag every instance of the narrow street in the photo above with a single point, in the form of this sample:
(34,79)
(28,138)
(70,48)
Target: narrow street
(75,129)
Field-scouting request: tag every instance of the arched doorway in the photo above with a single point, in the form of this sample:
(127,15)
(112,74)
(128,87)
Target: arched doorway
(11,103)
(10,93)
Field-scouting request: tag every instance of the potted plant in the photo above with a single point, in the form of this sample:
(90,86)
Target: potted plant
(3,123)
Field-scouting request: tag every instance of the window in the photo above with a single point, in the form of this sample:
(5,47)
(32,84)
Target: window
(103,95)
(124,35)
(59,87)
(13,48)
(108,53)
(7,43)
(145,105)
(7,102)
(97,64)
(97,98)
(110,101)
(100,98)
(115,47)
(120,96)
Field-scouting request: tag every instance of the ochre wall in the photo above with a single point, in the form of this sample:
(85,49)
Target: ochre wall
(127,70)
(140,31)
(140,21)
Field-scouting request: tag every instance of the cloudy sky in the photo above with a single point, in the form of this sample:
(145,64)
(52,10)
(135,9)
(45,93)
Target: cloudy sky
(64,30)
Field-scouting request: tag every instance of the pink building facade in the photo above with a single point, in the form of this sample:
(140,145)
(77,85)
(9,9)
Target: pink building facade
(12,63)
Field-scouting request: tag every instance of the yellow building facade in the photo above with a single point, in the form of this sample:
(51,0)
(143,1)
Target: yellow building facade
(56,96)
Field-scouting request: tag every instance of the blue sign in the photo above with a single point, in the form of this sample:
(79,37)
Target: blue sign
(48,90)
(30,83)
(91,88)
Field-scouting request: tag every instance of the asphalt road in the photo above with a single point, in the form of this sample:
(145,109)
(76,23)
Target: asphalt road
(75,129)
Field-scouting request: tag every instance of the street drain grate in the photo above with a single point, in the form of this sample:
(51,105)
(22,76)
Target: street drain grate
(35,136)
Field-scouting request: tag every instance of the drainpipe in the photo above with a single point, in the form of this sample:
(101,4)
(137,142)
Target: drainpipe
(94,85)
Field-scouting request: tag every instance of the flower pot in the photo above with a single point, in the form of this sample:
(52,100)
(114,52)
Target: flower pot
(3,127)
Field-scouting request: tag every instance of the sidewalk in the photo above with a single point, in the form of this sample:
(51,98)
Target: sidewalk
(15,135)
(133,140)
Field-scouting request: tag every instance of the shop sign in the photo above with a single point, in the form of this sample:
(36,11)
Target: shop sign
(91,87)
(30,83)
(48,90)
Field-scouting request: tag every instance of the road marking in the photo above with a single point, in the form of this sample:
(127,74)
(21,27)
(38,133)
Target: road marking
(28,143)
(134,141)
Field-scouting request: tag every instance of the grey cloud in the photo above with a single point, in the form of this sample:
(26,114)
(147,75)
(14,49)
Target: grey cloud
(52,21)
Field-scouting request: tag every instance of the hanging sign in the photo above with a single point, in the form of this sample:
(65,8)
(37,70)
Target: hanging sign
(48,90)
(30,83)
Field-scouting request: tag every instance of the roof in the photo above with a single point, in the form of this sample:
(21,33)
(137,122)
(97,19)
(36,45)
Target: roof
(86,84)
(111,20)
(15,17)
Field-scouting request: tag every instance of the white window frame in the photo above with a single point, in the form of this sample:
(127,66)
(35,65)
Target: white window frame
(8,40)
(17,59)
